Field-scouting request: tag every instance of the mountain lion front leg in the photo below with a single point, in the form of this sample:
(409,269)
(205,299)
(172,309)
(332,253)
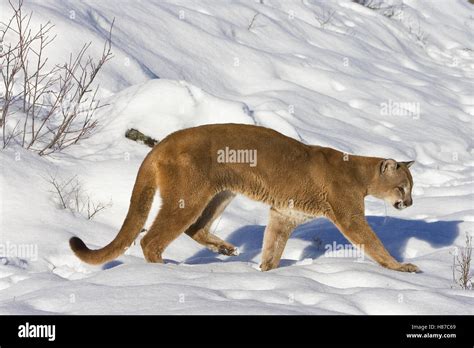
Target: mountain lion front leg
(355,228)
(275,237)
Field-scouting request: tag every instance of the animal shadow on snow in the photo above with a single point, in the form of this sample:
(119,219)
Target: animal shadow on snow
(111,264)
(393,232)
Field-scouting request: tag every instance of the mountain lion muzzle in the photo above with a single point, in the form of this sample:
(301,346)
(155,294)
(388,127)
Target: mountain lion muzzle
(197,180)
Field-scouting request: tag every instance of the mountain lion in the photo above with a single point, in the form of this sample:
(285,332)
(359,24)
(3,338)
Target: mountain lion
(199,170)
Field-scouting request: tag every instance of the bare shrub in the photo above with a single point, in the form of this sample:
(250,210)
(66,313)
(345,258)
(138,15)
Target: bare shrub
(70,195)
(252,21)
(55,105)
(414,28)
(379,6)
(462,265)
(372,4)
(396,12)
(324,17)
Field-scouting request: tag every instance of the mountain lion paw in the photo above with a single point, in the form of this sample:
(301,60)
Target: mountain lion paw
(228,250)
(408,267)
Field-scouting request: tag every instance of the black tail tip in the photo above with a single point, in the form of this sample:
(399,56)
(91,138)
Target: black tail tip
(77,244)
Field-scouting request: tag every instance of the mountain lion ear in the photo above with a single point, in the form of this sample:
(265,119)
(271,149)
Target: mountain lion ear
(388,166)
(408,164)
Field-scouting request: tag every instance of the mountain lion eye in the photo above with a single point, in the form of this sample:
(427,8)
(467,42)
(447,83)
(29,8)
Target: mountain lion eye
(401,189)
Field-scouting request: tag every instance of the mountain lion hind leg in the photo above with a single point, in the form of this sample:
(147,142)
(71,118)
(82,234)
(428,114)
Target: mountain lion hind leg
(199,231)
(178,211)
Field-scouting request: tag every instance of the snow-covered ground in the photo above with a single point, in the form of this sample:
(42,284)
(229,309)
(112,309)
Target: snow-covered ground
(331,73)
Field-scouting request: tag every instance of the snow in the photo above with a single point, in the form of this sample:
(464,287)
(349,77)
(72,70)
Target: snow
(180,64)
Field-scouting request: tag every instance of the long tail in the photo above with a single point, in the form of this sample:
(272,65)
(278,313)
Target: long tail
(140,205)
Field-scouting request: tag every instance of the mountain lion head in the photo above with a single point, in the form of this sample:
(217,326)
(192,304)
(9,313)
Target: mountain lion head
(394,183)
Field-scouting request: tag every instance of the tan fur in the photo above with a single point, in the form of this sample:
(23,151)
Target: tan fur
(298,181)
